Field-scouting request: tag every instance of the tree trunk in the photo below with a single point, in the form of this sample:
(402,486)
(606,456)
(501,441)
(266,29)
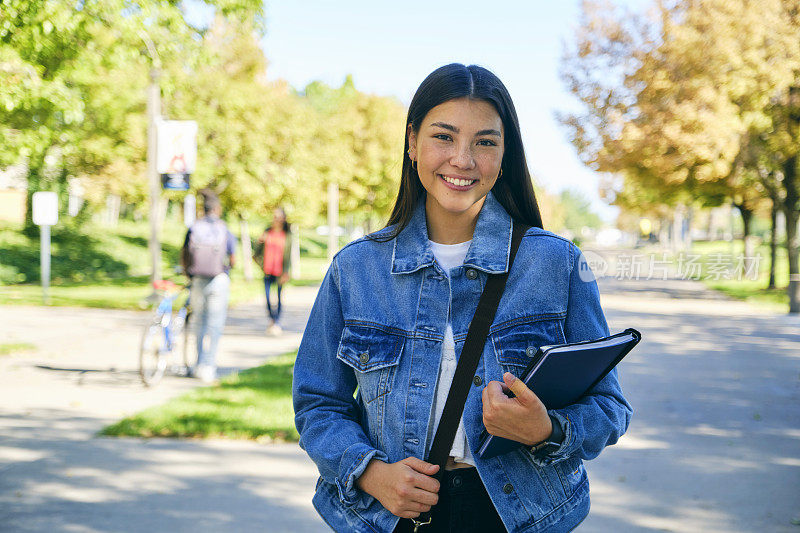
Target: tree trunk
(163,209)
(731,229)
(792,213)
(247,250)
(677,228)
(711,228)
(663,233)
(773,242)
(113,203)
(747,239)
(689,220)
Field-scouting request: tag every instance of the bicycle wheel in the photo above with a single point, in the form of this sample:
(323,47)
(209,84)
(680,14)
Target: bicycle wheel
(152,356)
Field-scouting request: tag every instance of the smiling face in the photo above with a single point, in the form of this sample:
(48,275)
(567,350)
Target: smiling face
(458,149)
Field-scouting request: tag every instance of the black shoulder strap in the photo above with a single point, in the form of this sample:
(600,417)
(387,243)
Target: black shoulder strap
(468,362)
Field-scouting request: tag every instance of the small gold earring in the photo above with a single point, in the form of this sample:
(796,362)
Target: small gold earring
(414,164)
(501,174)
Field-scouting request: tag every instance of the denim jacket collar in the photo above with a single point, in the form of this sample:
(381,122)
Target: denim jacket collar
(491,241)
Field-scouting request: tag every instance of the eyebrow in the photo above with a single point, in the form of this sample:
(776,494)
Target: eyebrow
(452,128)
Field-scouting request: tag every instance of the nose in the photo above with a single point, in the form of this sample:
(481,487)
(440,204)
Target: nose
(462,158)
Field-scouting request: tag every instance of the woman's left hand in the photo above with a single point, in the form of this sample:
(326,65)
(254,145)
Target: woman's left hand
(522,418)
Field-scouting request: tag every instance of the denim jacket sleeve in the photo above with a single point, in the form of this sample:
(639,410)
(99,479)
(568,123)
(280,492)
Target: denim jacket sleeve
(602,416)
(326,413)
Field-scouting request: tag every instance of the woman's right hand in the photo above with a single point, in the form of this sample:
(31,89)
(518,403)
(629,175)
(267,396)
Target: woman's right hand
(405,488)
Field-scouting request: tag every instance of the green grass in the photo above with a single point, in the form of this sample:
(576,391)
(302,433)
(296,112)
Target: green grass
(718,261)
(13,347)
(255,404)
(129,293)
(87,254)
(108,267)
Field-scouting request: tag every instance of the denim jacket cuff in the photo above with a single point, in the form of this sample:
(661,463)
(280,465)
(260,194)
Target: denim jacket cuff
(563,451)
(349,494)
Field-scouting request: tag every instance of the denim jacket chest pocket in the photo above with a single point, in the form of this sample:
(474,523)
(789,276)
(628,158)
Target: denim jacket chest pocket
(374,355)
(515,345)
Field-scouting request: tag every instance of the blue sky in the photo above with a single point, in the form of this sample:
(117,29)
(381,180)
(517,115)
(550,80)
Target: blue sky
(389,48)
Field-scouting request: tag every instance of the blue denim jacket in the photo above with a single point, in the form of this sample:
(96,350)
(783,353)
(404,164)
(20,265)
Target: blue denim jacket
(377,327)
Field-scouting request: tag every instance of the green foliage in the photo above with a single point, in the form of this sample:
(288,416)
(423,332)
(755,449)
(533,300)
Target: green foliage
(72,85)
(578,211)
(97,266)
(86,254)
(252,404)
(670,101)
(699,102)
(359,143)
(73,81)
(751,288)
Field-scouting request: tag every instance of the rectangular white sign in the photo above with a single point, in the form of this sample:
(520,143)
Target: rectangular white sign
(45,208)
(177,146)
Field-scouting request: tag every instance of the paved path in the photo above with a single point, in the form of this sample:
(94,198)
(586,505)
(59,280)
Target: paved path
(714,444)
(55,475)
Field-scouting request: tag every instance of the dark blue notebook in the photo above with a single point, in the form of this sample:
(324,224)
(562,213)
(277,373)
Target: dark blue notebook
(561,374)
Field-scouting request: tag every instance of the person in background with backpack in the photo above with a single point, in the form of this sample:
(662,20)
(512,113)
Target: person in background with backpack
(273,254)
(207,257)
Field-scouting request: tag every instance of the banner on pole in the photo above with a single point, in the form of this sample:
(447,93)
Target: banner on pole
(177,152)
(45,208)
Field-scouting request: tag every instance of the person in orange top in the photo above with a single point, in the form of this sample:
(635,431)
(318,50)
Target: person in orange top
(273,253)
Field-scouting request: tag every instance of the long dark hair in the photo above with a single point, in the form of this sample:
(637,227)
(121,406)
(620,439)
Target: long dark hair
(514,190)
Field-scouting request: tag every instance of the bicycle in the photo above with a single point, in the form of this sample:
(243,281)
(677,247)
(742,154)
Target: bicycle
(167,331)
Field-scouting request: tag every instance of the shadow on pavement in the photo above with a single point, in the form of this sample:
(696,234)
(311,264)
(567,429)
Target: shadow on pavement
(713,441)
(52,478)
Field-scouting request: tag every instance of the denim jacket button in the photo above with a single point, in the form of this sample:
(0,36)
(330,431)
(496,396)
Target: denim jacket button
(364,357)
(478,381)
(530,351)
(508,488)
(472,273)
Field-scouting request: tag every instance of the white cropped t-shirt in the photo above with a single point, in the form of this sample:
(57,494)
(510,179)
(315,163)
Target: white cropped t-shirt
(449,256)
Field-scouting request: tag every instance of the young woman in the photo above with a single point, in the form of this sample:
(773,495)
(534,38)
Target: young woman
(391,318)
(274,256)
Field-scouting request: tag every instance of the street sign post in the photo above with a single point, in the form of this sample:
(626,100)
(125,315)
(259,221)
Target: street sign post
(45,214)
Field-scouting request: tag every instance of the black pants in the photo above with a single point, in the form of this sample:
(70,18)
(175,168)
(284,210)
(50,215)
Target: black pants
(464,506)
(269,279)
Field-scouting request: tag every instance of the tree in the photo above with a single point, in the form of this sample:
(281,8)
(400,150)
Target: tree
(578,211)
(358,145)
(71,83)
(682,93)
(39,44)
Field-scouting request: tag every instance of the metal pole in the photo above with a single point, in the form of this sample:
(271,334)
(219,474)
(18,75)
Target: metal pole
(44,238)
(153,114)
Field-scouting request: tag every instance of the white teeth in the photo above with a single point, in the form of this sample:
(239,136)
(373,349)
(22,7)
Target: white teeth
(461,183)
